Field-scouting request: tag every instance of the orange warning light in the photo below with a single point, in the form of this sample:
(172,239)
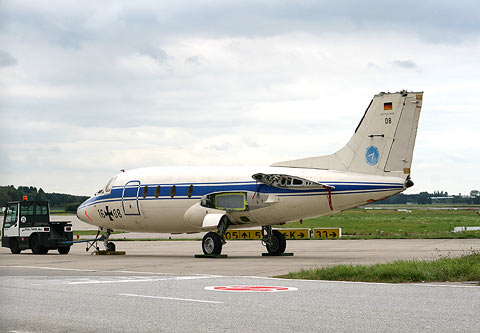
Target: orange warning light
(25,198)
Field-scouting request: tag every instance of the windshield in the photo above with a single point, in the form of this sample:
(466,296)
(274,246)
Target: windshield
(110,184)
(11,215)
(108,187)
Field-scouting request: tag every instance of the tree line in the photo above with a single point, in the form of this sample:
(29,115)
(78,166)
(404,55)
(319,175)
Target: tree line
(57,200)
(425,198)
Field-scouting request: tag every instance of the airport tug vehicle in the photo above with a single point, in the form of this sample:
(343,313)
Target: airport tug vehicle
(27,225)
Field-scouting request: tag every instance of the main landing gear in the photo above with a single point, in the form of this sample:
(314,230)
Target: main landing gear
(273,240)
(213,242)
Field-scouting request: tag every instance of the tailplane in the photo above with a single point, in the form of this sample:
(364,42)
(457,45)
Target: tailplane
(382,143)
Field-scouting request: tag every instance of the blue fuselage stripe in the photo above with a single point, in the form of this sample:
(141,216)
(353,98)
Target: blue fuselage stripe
(200,189)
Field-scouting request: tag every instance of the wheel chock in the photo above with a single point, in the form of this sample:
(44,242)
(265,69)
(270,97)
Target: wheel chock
(211,256)
(290,254)
(109,253)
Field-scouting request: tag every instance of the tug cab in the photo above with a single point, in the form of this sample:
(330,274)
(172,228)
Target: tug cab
(27,225)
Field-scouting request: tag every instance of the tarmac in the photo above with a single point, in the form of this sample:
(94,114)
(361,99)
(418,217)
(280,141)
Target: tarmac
(161,286)
(244,256)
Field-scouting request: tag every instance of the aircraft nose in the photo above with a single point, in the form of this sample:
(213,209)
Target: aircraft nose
(82,213)
(79,215)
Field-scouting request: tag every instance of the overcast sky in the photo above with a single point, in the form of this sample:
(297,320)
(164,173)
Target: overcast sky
(91,87)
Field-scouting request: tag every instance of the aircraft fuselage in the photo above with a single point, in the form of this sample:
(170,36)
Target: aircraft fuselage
(167,199)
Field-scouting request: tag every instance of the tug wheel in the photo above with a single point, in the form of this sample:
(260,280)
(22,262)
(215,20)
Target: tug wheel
(64,249)
(14,248)
(37,248)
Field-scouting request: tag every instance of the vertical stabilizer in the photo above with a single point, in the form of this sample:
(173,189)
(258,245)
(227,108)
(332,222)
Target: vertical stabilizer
(382,143)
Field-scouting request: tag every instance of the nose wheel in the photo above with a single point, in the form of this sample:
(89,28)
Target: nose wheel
(109,246)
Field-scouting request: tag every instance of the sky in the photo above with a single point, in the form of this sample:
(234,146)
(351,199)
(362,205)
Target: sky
(91,87)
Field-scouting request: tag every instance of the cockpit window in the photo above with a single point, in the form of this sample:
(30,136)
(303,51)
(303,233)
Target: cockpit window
(108,187)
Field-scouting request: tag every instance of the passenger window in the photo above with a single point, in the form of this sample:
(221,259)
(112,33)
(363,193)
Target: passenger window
(157,191)
(145,191)
(173,190)
(190,191)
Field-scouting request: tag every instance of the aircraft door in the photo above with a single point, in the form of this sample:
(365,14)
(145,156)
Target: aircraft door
(11,224)
(130,198)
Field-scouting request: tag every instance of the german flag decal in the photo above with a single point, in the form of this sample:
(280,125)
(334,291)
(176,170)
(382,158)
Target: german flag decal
(387,106)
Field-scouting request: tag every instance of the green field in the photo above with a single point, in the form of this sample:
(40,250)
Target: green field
(372,223)
(465,268)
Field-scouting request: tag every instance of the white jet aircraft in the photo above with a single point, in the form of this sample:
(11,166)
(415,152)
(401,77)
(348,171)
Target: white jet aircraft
(373,165)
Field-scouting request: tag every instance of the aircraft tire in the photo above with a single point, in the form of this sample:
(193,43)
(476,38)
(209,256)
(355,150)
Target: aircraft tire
(64,249)
(279,243)
(212,244)
(36,247)
(14,248)
(111,247)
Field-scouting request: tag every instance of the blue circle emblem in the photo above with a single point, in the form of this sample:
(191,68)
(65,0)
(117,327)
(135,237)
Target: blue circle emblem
(372,155)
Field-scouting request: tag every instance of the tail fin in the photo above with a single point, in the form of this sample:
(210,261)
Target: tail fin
(383,141)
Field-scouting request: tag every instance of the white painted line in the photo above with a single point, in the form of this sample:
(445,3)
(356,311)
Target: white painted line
(80,270)
(52,268)
(113,281)
(172,298)
(139,279)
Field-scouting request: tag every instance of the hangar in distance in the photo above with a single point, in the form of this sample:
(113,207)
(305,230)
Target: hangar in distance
(374,164)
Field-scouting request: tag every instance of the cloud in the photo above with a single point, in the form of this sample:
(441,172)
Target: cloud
(98,87)
(6,59)
(406,64)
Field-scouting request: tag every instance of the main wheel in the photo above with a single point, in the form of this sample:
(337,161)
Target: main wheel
(64,249)
(212,243)
(278,244)
(111,247)
(14,248)
(36,247)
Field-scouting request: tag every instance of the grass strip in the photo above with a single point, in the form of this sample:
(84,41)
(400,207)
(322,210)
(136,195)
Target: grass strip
(465,268)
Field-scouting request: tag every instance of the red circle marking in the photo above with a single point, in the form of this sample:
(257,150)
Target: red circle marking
(251,288)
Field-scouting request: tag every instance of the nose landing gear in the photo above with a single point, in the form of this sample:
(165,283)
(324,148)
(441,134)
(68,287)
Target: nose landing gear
(109,246)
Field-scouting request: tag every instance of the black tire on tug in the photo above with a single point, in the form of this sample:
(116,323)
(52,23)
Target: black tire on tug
(212,244)
(111,247)
(13,245)
(36,247)
(64,249)
(278,243)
